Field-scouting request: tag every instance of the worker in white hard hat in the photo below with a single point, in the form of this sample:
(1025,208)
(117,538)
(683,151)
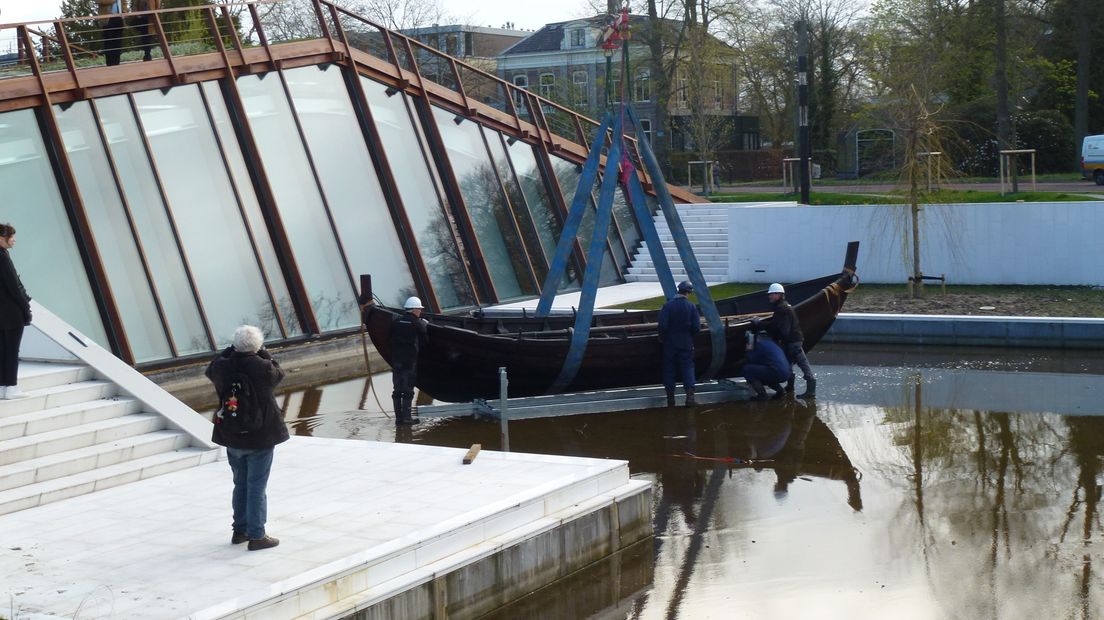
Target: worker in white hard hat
(786,331)
(409,333)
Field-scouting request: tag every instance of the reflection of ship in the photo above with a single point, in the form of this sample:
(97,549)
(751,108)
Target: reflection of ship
(784,436)
(464,353)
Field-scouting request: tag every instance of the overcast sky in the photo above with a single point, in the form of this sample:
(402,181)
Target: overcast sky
(526,14)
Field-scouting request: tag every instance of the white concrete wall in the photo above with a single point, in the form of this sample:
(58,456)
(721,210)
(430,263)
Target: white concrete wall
(991,243)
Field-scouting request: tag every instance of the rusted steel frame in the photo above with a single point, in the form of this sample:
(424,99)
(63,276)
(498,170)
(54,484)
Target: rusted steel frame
(261,35)
(69,62)
(353,279)
(455,202)
(524,203)
(105,300)
(392,195)
(506,90)
(469,111)
(62,41)
(167,205)
(84,18)
(408,42)
(267,199)
(226,17)
(164,41)
(582,139)
(212,24)
(324,28)
(133,227)
(536,282)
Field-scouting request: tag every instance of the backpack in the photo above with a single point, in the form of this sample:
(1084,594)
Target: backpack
(239,412)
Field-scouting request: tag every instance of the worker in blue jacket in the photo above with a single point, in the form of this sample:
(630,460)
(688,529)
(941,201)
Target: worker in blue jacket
(765,363)
(679,321)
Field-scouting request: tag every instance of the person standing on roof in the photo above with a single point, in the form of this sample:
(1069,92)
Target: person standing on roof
(409,333)
(786,331)
(112,45)
(679,321)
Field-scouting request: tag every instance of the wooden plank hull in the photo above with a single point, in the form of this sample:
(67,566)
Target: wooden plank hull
(463,356)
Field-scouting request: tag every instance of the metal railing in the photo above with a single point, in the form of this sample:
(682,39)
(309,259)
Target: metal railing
(67,45)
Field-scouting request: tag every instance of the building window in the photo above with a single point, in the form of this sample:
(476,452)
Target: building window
(580,82)
(645,129)
(717,93)
(521,81)
(615,93)
(680,87)
(642,89)
(469,46)
(547,85)
(578,38)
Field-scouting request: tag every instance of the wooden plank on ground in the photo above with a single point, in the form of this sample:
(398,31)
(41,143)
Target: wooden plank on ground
(474,450)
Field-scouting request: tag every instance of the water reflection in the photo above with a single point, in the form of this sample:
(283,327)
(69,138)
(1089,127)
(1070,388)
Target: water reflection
(901,492)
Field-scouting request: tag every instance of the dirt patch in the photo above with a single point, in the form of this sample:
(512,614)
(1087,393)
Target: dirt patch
(1077,302)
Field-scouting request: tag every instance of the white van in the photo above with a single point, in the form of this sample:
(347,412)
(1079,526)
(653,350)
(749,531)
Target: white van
(1092,158)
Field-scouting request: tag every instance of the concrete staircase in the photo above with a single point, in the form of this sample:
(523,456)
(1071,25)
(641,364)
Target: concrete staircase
(707,228)
(88,422)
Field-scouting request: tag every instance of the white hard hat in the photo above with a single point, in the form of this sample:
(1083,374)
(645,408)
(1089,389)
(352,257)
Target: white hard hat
(412,303)
(776,288)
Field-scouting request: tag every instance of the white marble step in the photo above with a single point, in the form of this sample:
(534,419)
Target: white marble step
(91,457)
(66,416)
(709,272)
(696,238)
(646,262)
(41,375)
(31,495)
(53,442)
(57,396)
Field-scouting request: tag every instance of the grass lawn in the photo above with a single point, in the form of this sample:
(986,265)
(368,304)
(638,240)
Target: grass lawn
(945,196)
(1073,301)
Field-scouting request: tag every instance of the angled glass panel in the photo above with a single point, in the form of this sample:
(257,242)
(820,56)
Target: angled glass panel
(45,254)
(418,188)
(515,197)
(243,182)
(301,205)
(567,175)
(626,220)
(490,214)
(540,205)
(345,168)
(205,209)
(151,220)
(115,242)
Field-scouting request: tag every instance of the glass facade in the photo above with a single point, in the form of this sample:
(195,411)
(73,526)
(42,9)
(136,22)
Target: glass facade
(418,188)
(169,197)
(495,228)
(302,205)
(169,274)
(46,254)
(345,169)
(114,236)
(203,204)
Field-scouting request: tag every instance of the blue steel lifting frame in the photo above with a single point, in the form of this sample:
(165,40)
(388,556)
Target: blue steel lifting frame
(584,313)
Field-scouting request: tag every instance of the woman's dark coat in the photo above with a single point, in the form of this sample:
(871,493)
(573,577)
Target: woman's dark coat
(264,374)
(15,303)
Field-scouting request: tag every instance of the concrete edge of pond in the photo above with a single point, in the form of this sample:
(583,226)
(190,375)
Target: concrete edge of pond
(963,330)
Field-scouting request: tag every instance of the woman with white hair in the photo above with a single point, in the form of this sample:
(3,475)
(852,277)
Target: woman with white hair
(250,424)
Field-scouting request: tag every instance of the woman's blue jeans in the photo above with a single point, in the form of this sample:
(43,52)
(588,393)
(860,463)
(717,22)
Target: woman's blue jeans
(250,469)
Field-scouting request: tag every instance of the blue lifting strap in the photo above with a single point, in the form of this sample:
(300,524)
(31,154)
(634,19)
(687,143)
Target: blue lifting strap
(651,238)
(574,358)
(689,261)
(579,204)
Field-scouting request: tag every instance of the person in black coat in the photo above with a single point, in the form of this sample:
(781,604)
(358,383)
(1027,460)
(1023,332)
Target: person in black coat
(15,314)
(409,334)
(679,321)
(786,331)
(249,453)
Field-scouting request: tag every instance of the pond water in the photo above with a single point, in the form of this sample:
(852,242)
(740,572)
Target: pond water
(920,484)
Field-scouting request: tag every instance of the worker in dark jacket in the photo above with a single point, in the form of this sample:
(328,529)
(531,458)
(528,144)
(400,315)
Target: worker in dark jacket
(250,453)
(409,334)
(765,364)
(15,314)
(679,321)
(786,331)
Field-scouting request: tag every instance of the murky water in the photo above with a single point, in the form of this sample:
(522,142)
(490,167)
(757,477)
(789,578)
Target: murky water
(920,484)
